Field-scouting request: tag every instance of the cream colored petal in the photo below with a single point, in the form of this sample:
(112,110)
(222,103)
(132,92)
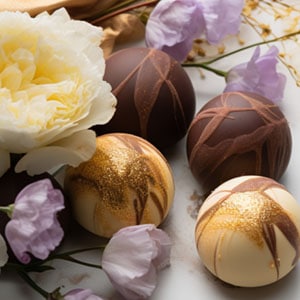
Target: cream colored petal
(69,151)
(4,161)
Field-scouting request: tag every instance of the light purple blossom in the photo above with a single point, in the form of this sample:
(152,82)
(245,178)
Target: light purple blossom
(34,227)
(133,257)
(81,294)
(222,18)
(3,252)
(259,76)
(173,25)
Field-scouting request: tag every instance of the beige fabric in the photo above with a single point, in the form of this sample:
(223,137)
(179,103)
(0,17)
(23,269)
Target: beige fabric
(124,28)
(77,8)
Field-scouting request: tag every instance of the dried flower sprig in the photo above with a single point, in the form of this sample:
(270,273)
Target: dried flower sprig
(285,15)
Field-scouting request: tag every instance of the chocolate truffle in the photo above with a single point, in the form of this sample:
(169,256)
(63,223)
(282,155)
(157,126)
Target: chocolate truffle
(127,182)
(156,99)
(237,134)
(247,231)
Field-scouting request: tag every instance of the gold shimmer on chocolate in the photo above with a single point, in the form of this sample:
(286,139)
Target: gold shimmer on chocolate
(130,183)
(237,134)
(248,209)
(156,99)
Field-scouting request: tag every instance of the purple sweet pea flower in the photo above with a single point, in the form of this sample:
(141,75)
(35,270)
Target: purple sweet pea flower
(173,25)
(34,227)
(132,258)
(3,252)
(221,18)
(81,294)
(259,75)
(76,294)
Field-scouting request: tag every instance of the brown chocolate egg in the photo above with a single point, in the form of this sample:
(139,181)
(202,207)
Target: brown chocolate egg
(247,231)
(237,134)
(127,182)
(156,99)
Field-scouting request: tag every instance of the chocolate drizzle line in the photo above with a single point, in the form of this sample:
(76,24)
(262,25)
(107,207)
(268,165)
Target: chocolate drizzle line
(270,214)
(160,67)
(224,140)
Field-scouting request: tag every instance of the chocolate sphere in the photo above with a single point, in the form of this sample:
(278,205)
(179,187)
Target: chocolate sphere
(127,182)
(247,231)
(238,134)
(156,99)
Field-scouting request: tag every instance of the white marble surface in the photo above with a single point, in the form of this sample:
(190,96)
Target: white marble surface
(186,278)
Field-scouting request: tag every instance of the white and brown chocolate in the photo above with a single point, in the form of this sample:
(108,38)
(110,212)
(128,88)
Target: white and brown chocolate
(127,182)
(247,231)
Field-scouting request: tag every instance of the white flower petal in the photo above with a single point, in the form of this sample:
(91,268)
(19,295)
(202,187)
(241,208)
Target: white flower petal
(71,150)
(4,161)
(51,85)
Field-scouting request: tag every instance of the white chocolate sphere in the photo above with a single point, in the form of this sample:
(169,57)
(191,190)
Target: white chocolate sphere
(126,182)
(247,231)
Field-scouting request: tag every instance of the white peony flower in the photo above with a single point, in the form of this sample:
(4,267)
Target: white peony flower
(51,90)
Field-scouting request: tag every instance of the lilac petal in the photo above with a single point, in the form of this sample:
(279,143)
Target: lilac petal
(259,76)
(221,18)
(34,227)
(132,258)
(173,25)
(81,294)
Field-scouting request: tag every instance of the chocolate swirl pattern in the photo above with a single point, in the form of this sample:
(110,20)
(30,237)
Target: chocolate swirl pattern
(238,134)
(127,182)
(155,96)
(246,213)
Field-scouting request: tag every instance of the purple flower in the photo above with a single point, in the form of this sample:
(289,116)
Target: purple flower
(221,18)
(173,25)
(132,258)
(34,227)
(3,252)
(76,294)
(81,294)
(259,75)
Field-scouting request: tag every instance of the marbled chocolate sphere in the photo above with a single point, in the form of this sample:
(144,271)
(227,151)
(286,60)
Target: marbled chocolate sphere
(156,99)
(247,231)
(237,134)
(126,182)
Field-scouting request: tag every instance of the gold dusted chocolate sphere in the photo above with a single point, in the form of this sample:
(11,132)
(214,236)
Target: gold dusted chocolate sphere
(248,231)
(127,182)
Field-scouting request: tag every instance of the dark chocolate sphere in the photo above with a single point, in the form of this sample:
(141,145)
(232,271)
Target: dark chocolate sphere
(156,99)
(237,134)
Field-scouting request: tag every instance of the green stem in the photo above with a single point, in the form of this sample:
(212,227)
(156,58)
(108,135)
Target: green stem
(77,261)
(122,8)
(206,67)
(37,288)
(283,37)
(67,256)
(72,252)
(7,209)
